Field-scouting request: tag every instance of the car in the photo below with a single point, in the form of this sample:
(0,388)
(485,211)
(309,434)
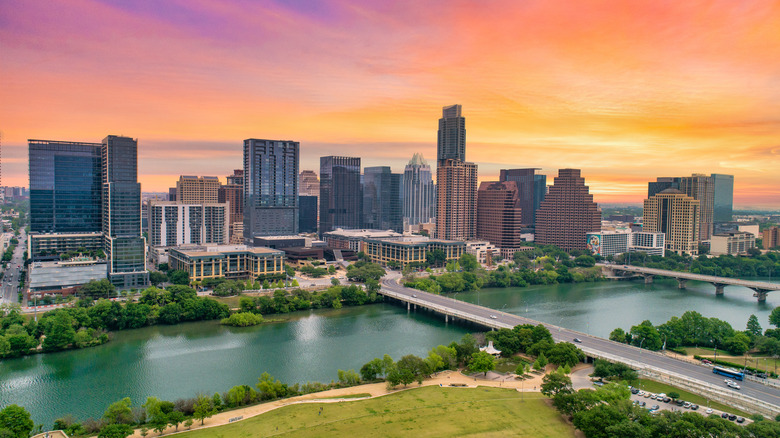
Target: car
(708,411)
(761,375)
(732,417)
(667,399)
(740,420)
(644,404)
(647,394)
(687,405)
(414,295)
(655,408)
(634,391)
(694,407)
(493,316)
(733,385)
(578,340)
(724,415)
(598,383)
(727,381)
(706,362)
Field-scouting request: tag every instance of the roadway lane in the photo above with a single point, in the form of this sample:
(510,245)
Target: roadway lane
(700,372)
(12,274)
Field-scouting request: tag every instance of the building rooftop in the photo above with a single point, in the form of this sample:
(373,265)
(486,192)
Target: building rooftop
(56,275)
(363,234)
(208,251)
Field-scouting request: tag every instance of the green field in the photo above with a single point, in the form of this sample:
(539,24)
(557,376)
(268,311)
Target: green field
(655,387)
(423,412)
(757,361)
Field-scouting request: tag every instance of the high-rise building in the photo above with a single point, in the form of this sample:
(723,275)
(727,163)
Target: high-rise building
(419,203)
(172,193)
(532,189)
(567,213)
(662,183)
(175,224)
(233,194)
(197,189)
(452,135)
(65,187)
(675,214)
(307,214)
(125,248)
(456,200)
(770,237)
(724,197)
(499,215)
(236,178)
(270,188)
(382,199)
(341,200)
(701,188)
(308,183)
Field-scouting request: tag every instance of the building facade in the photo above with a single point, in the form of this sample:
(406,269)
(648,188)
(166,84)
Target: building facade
(567,213)
(382,199)
(732,243)
(197,189)
(351,239)
(49,246)
(230,261)
(270,188)
(608,243)
(124,246)
(308,183)
(770,237)
(675,214)
(307,214)
(233,195)
(484,251)
(405,250)
(456,200)
(175,224)
(531,189)
(724,197)
(419,192)
(341,200)
(648,242)
(661,184)
(701,188)
(499,215)
(451,144)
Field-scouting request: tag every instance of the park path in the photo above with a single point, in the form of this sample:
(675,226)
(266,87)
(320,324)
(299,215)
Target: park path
(444,378)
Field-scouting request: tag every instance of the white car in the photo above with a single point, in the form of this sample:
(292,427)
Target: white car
(733,385)
(493,316)
(708,411)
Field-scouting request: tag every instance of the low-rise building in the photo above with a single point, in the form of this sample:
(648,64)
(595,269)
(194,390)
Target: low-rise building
(351,239)
(43,247)
(410,249)
(281,242)
(607,243)
(175,223)
(227,261)
(484,251)
(53,277)
(771,237)
(733,242)
(648,242)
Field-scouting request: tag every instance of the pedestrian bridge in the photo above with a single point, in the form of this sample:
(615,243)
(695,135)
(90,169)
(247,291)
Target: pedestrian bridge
(760,288)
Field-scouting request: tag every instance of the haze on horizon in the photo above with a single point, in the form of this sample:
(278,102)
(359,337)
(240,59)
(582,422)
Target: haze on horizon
(626,91)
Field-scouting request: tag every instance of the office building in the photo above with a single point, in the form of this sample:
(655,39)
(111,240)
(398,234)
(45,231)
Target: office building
(307,214)
(419,203)
(232,193)
(308,183)
(410,249)
(661,184)
(382,199)
(233,262)
(724,197)
(456,200)
(172,194)
(701,188)
(341,200)
(65,187)
(732,243)
(176,224)
(49,246)
(451,143)
(499,215)
(607,243)
(197,189)
(675,214)
(531,189)
(484,251)
(648,242)
(351,239)
(236,178)
(567,213)
(270,188)
(770,237)
(124,246)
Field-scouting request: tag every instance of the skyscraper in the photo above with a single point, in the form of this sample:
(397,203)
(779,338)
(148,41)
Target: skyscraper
(307,214)
(65,187)
(382,199)
(724,197)
(197,189)
(661,184)
(567,213)
(270,188)
(499,215)
(531,189)
(308,183)
(124,246)
(175,223)
(701,188)
(456,200)
(675,214)
(233,194)
(452,135)
(341,201)
(418,192)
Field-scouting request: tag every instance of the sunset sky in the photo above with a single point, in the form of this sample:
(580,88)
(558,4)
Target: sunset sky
(625,90)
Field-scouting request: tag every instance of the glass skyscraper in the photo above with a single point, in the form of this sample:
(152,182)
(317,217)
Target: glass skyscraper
(452,135)
(270,188)
(419,203)
(341,200)
(724,197)
(382,199)
(531,188)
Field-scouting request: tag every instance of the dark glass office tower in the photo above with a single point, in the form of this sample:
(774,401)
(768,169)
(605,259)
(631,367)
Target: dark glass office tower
(530,189)
(125,248)
(307,214)
(724,197)
(65,187)
(661,184)
(452,135)
(382,199)
(341,200)
(270,188)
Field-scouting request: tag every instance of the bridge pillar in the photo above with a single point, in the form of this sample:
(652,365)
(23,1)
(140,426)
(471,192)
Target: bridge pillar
(408,306)
(719,288)
(446,318)
(761,295)
(681,282)
(648,278)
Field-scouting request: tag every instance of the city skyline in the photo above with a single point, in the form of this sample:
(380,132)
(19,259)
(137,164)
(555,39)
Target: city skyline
(626,93)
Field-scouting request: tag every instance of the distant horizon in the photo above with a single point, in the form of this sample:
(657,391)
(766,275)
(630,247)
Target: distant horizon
(625,92)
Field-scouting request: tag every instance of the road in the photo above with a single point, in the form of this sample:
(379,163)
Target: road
(703,373)
(11,274)
(760,285)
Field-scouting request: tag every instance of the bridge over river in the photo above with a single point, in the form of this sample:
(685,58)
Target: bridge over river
(755,396)
(760,288)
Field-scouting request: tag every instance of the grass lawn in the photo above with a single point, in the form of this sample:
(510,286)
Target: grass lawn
(421,412)
(770,362)
(656,387)
(232,302)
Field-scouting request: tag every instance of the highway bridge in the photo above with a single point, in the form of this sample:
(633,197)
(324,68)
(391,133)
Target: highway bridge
(760,288)
(754,396)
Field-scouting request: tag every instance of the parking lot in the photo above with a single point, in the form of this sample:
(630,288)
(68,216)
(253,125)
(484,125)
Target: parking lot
(662,402)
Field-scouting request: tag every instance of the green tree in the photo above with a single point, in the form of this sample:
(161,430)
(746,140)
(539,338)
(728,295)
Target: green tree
(176,418)
(179,277)
(203,408)
(119,412)
(774,317)
(541,362)
(555,383)
(98,289)
(482,362)
(412,368)
(371,370)
(521,368)
(60,333)
(618,335)
(16,420)
(114,430)
(674,395)
(565,353)
(468,263)
(157,278)
(753,327)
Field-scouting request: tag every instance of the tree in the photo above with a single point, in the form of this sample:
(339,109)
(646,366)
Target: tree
(179,277)
(98,289)
(188,423)
(774,317)
(203,409)
(674,395)
(16,420)
(60,332)
(175,418)
(555,383)
(482,362)
(753,327)
(412,368)
(157,278)
(119,412)
(520,370)
(585,261)
(565,353)
(115,431)
(541,362)
(468,263)
(371,370)
(618,335)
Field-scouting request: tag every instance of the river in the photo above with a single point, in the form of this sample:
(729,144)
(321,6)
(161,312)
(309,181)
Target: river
(179,361)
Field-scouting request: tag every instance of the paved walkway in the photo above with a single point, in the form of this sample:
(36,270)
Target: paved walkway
(444,378)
